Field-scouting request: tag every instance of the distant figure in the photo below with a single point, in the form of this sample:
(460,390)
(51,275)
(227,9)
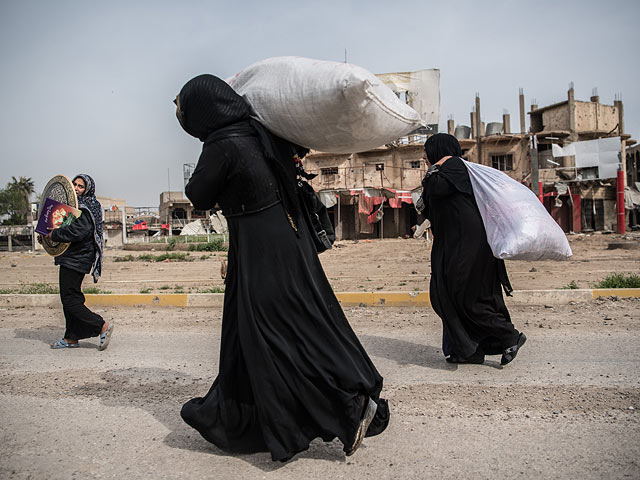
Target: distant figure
(421,230)
(466,278)
(83,256)
(291,368)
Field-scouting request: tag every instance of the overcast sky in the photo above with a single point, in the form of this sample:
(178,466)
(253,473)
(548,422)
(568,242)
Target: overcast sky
(88,85)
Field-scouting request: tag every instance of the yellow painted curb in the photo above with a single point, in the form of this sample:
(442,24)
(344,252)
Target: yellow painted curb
(388,299)
(618,292)
(132,299)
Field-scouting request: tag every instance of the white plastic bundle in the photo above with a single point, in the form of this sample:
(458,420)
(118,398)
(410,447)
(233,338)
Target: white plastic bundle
(327,106)
(517,224)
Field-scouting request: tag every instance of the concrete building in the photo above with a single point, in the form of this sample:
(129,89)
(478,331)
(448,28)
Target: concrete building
(369,193)
(575,197)
(632,192)
(176,211)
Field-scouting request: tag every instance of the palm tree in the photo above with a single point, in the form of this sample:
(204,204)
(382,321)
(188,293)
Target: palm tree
(26,187)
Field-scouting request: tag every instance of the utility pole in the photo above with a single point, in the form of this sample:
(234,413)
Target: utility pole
(622,172)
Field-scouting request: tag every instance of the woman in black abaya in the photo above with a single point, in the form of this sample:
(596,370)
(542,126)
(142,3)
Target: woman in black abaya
(291,367)
(466,279)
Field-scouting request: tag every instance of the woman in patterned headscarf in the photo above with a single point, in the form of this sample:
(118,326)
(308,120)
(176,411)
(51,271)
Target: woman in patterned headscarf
(83,256)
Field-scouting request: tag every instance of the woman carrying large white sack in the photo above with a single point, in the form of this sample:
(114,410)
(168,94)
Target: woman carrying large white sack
(466,279)
(291,368)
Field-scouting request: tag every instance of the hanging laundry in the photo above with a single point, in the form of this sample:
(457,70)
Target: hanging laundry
(377,215)
(395,203)
(328,199)
(364,226)
(365,204)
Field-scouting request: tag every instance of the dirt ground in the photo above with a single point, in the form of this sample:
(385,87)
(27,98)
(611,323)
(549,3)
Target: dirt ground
(566,408)
(368,265)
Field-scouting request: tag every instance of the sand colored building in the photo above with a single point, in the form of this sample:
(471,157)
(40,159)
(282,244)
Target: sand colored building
(357,188)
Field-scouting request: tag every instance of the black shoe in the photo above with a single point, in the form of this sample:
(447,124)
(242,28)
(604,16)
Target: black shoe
(380,420)
(476,359)
(368,412)
(511,352)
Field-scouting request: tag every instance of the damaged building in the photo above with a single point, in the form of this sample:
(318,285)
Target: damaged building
(370,194)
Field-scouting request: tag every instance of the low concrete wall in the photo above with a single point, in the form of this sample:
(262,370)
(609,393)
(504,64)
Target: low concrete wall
(346,299)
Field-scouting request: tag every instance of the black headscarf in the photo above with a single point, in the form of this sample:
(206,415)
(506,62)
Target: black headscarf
(441,145)
(210,110)
(91,206)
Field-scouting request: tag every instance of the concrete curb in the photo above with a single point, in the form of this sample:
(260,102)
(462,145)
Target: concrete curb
(346,299)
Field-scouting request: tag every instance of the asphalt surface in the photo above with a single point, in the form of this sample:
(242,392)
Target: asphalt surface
(566,408)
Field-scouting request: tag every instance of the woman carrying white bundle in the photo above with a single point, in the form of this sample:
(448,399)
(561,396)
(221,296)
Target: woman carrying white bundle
(466,279)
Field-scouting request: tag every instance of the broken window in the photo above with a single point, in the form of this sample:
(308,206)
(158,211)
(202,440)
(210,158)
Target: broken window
(502,162)
(329,173)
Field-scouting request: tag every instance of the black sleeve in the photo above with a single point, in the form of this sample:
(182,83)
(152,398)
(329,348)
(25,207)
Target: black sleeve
(436,185)
(76,231)
(451,177)
(208,178)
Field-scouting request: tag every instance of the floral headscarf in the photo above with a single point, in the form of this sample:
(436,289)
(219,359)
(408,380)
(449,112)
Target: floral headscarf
(90,204)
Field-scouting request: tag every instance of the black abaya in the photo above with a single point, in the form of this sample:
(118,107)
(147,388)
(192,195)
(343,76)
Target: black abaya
(291,367)
(466,279)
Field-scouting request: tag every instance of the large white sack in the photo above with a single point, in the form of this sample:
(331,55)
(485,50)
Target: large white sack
(327,106)
(517,224)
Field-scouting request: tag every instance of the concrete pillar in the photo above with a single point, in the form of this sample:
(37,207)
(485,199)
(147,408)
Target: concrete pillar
(522,113)
(572,114)
(480,127)
(450,126)
(124,225)
(396,220)
(506,123)
(535,176)
(595,99)
(620,109)
(10,243)
(338,220)
(474,132)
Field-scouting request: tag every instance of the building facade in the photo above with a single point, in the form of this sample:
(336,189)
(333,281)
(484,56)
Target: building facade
(369,194)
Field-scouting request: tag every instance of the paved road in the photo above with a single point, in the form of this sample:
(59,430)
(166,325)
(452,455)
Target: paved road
(566,408)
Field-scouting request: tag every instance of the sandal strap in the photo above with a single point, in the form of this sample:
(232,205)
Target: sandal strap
(512,349)
(103,336)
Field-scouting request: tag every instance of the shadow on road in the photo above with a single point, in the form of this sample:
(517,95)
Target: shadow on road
(48,334)
(162,392)
(405,353)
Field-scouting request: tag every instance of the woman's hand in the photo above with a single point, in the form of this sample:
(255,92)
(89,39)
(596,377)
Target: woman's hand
(442,160)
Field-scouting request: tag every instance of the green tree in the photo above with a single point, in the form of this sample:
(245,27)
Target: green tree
(15,201)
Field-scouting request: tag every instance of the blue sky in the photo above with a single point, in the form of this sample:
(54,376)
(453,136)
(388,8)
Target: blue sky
(88,85)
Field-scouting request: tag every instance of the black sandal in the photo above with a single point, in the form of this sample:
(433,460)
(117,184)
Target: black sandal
(369,408)
(380,420)
(475,359)
(510,353)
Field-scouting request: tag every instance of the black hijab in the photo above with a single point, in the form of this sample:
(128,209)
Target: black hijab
(210,110)
(441,145)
